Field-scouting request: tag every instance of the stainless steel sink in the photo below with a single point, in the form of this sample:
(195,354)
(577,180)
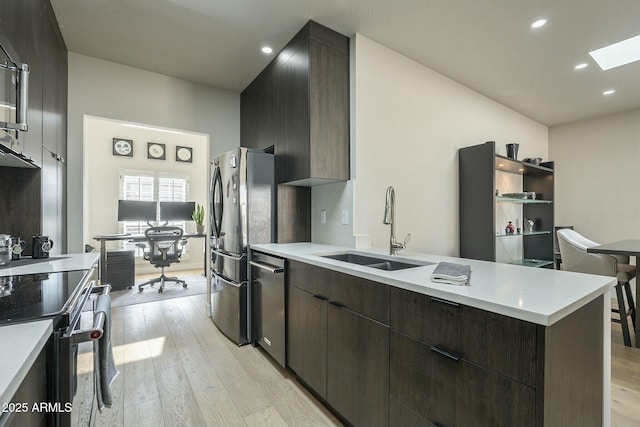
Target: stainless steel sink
(374,262)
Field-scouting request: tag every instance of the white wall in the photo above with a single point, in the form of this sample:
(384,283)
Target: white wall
(409,123)
(597,176)
(102,178)
(106,89)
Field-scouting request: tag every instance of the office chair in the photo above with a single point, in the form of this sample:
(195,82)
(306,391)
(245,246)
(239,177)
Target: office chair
(573,247)
(165,247)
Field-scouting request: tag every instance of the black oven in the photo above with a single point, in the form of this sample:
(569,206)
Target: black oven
(66,298)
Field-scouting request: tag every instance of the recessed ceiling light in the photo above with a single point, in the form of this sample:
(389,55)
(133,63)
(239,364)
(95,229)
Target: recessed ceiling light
(609,92)
(266,49)
(581,66)
(539,23)
(617,54)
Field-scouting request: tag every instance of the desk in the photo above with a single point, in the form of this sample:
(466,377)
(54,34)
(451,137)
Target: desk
(626,248)
(104,238)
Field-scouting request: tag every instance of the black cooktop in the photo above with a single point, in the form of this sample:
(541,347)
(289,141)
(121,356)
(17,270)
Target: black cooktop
(36,296)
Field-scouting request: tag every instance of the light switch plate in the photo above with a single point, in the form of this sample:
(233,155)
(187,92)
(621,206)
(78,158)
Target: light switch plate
(323,216)
(345,217)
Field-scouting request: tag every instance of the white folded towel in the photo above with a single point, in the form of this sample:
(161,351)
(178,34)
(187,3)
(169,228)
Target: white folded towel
(452,274)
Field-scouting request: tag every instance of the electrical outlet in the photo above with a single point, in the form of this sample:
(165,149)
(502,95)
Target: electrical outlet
(323,216)
(345,217)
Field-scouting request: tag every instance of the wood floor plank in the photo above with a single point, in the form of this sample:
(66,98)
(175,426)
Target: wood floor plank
(147,414)
(268,417)
(178,403)
(140,384)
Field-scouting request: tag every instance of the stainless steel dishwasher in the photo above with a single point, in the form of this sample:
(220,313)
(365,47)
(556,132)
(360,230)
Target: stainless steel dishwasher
(268,303)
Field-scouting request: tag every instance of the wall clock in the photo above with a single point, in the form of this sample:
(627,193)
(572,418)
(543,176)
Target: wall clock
(184,154)
(122,147)
(156,151)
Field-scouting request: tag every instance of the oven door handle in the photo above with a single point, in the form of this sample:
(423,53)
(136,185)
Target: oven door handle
(80,290)
(96,332)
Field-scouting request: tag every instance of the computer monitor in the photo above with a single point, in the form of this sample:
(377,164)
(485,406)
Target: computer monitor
(136,210)
(176,211)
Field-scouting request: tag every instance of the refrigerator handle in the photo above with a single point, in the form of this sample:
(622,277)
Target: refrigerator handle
(216,188)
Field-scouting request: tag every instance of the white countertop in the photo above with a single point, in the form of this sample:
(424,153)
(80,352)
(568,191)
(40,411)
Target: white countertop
(22,343)
(69,262)
(535,295)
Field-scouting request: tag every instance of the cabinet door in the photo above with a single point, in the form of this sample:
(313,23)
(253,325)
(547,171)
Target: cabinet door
(50,197)
(292,106)
(50,82)
(358,367)
(307,338)
(500,343)
(455,392)
(33,390)
(257,112)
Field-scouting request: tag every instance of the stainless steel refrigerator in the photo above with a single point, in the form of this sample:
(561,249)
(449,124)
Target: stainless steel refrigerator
(242,212)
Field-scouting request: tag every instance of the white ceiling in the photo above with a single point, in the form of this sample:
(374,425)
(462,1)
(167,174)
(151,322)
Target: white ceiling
(486,45)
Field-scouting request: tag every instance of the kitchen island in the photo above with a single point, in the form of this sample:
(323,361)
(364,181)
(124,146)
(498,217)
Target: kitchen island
(518,346)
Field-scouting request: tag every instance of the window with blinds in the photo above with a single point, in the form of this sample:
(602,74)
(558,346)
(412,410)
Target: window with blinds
(151,186)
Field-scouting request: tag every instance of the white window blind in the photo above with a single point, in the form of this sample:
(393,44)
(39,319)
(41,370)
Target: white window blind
(151,186)
(173,189)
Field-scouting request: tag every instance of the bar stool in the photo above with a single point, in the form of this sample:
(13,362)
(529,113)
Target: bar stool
(573,249)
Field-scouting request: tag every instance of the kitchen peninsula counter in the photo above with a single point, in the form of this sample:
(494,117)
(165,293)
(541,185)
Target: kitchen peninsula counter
(537,338)
(536,295)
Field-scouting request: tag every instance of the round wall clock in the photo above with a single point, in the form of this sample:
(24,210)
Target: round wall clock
(184,154)
(156,151)
(122,147)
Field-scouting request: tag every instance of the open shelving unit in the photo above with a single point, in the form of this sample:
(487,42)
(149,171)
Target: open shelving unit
(483,214)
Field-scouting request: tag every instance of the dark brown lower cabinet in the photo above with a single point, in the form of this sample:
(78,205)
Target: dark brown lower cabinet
(385,356)
(358,367)
(33,390)
(401,415)
(454,392)
(307,338)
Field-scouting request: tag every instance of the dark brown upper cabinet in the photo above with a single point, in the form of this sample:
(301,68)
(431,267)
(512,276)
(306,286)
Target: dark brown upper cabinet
(299,104)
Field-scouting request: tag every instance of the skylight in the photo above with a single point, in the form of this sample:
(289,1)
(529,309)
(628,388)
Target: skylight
(617,54)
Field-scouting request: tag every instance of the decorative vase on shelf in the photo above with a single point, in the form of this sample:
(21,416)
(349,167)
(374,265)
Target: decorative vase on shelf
(529,225)
(509,228)
(200,228)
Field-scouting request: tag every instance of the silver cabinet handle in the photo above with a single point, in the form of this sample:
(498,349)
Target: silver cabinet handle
(270,269)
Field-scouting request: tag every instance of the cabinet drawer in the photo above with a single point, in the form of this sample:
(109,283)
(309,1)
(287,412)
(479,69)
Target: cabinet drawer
(455,392)
(362,296)
(500,343)
(400,415)
(308,278)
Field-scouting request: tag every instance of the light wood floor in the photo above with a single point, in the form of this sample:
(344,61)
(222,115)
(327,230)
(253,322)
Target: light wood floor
(625,381)
(177,369)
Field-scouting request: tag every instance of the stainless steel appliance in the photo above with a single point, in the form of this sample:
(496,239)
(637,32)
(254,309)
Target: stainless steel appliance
(60,297)
(41,247)
(268,303)
(242,212)
(5,249)
(14,98)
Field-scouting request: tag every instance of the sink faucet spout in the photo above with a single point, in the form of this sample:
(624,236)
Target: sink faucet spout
(389,219)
